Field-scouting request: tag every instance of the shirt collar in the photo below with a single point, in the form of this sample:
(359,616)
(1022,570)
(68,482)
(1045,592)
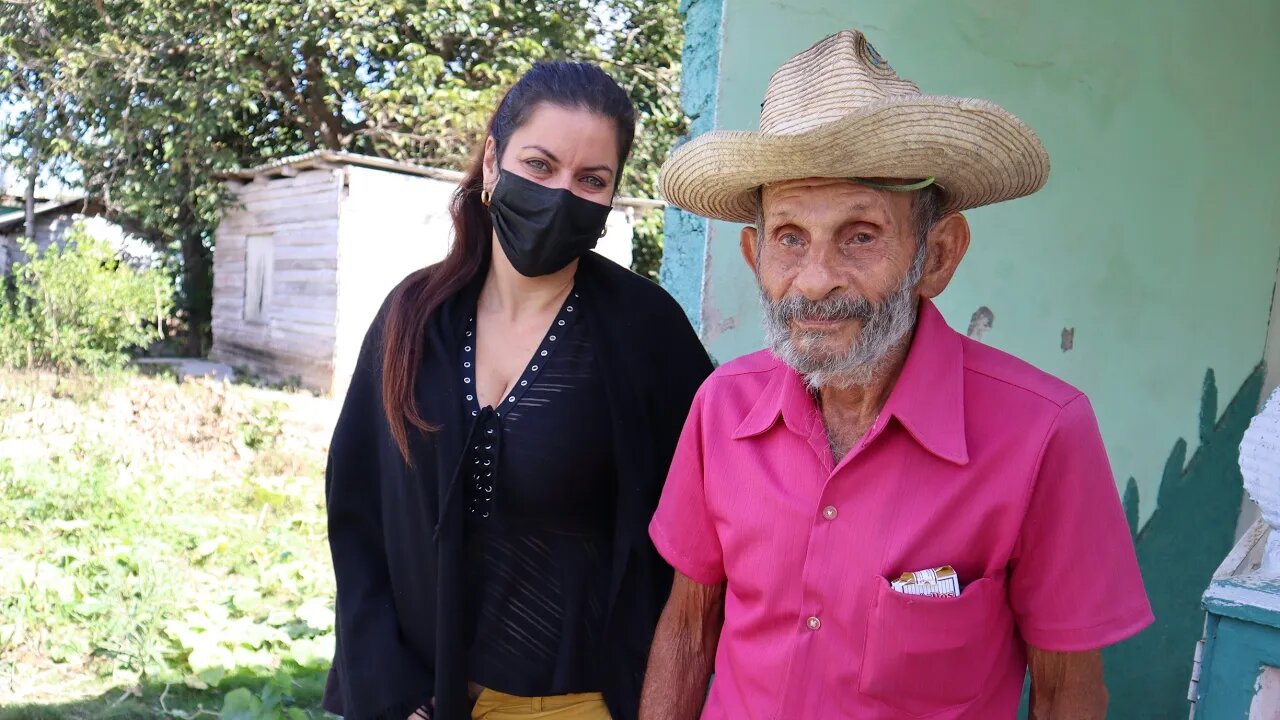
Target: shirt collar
(786,395)
(927,400)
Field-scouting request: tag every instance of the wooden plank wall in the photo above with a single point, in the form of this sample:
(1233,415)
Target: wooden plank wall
(295,338)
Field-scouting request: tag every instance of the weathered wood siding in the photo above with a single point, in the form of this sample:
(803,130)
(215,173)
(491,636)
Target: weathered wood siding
(391,225)
(293,336)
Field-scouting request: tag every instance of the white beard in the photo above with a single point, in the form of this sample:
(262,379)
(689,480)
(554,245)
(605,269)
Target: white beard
(886,326)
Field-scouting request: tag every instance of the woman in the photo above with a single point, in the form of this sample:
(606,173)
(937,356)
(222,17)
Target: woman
(505,438)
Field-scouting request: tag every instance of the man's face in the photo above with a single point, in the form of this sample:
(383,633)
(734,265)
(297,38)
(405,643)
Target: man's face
(838,264)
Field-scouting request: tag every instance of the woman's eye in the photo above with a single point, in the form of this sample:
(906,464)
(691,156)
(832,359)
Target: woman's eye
(594,182)
(537,165)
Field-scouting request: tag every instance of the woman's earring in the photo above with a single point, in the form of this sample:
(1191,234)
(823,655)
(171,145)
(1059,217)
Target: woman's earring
(485,197)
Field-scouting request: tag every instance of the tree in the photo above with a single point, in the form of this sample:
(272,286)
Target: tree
(162,95)
(78,306)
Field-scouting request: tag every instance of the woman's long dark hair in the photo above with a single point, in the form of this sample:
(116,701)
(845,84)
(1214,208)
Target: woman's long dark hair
(567,84)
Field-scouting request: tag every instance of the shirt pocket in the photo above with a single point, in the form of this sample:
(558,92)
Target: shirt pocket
(926,655)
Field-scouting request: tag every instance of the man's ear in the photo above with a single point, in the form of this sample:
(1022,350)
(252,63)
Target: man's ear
(948,241)
(750,245)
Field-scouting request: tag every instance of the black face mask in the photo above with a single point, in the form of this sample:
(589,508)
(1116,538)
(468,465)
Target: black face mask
(543,229)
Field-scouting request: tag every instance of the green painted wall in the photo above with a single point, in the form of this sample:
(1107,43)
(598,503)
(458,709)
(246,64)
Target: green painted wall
(1154,245)
(1157,237)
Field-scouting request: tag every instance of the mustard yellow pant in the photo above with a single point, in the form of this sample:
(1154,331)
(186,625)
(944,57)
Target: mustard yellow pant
(494,705)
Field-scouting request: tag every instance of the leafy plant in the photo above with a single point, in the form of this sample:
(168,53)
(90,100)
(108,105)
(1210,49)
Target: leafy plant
(78,306)
(274,702)
(646,258)
(261,429)
(157,566)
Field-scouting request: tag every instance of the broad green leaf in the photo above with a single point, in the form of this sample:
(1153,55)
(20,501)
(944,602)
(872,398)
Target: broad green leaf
(240,704)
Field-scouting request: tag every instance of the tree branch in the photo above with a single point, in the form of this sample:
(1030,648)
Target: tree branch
(316,105)
(35,19)
(102,12)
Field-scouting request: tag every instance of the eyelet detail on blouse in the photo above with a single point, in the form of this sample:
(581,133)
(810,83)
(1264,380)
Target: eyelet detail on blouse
(484,461)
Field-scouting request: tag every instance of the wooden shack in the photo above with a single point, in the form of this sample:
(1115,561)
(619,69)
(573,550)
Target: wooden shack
(314,243)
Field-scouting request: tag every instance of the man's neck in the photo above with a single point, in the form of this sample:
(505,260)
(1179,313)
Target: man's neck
(849,412)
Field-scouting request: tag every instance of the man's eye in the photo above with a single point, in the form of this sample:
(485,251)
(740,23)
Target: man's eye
(789,240)
(863,238)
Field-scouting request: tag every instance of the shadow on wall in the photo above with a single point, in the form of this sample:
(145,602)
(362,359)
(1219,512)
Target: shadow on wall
(1191,530)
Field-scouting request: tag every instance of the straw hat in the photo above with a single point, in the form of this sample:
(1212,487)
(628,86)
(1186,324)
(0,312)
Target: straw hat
(839,110)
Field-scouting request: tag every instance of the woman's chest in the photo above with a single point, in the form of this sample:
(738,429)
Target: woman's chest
(503,351)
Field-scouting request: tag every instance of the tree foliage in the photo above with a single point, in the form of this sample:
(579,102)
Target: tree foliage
(144,102)
(78,306)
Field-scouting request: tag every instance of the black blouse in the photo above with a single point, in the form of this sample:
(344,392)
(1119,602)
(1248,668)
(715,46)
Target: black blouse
(540,498)
(398,529)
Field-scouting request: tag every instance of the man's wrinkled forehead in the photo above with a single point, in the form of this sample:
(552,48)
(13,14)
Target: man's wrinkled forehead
(796,199)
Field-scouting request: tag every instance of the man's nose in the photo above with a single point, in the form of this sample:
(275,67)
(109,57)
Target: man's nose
(817,279)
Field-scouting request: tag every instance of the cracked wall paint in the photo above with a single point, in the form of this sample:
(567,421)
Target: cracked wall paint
(981,322)
(1235,676)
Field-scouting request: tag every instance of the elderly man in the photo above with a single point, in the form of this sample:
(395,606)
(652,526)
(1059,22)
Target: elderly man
(879,517)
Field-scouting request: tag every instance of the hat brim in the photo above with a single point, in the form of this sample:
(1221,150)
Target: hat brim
(978,152)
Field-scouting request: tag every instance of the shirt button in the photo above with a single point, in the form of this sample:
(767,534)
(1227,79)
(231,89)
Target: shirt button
(829,512)
(813,623)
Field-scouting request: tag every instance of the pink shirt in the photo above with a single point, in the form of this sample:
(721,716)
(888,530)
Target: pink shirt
(978,461)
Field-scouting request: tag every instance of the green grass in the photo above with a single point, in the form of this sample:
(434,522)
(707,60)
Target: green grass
(162,551)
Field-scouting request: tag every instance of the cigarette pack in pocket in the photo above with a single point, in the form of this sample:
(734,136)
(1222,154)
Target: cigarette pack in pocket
(937,582)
